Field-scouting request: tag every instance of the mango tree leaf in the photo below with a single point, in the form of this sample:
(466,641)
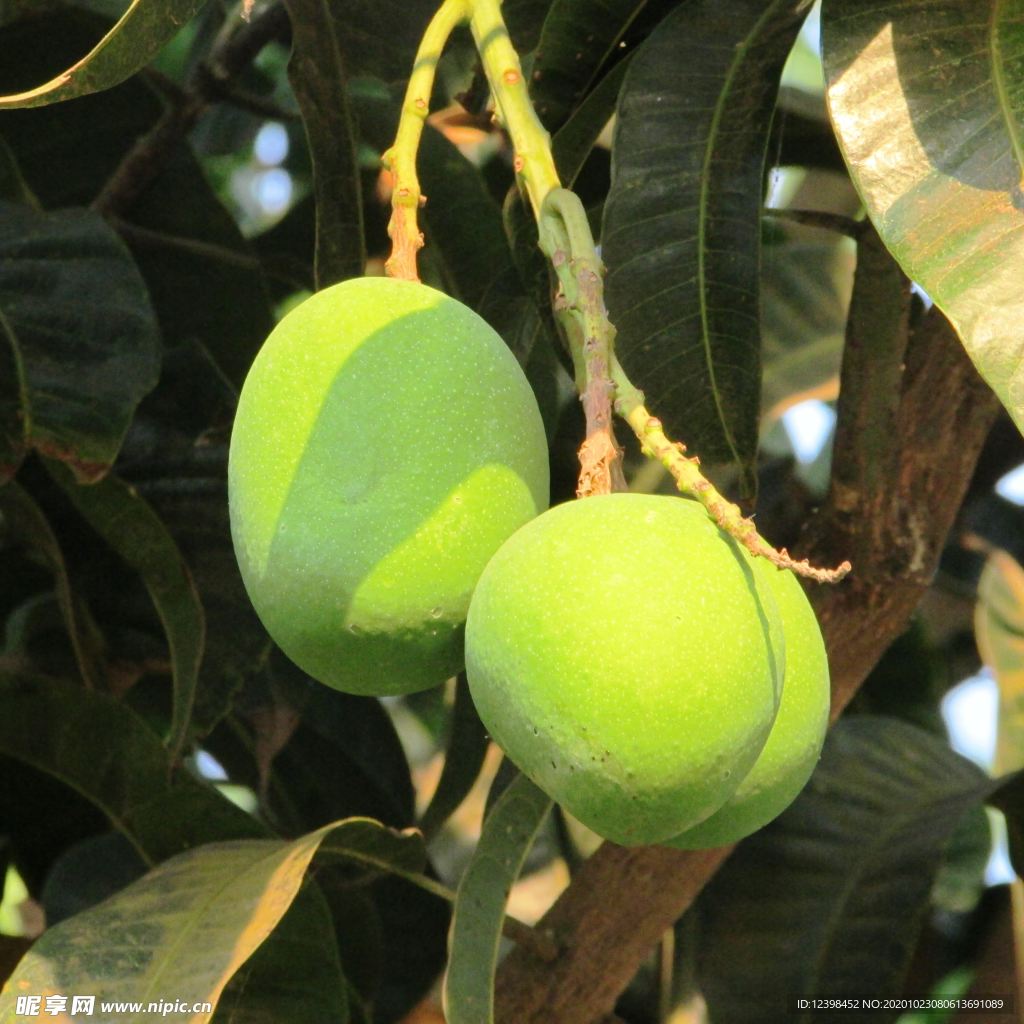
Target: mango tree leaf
(580,38)
(829,897)
(524,20)
(203,278)
(999,632)
(379,38)
(13,187)
(23,521)
(682,223)
(463,759)
(130,45)
(182,931)
(927,104)
(319,80)
(573,142)
(100,748)
(507,836)
(85,343)
(806,283)
(295,975)
(137,534)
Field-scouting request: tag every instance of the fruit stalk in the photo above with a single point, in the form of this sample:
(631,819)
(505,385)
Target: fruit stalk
(400,160)
(566,240)
(629,404)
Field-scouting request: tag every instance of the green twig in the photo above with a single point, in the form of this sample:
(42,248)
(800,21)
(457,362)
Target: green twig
(400,159)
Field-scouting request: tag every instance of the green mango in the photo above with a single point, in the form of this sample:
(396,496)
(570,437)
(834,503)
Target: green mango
(386,443)
(793,748)
(628,656)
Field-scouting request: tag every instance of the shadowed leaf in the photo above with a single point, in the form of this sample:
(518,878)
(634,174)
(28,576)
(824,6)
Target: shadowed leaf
(829,897)
(463,759)
(79,332)
(928,104)
(682,224)
(135,532)
(318,77)
(508,834)
(98,747)
(129,46)
(23,521)
(579,39)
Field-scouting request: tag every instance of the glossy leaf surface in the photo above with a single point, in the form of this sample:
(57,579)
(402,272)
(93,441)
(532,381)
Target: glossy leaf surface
(79,334)
(128,47)
(682,223)
(927,100)
(830,895)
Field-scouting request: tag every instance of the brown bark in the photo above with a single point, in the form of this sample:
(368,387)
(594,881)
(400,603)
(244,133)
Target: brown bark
(905,450)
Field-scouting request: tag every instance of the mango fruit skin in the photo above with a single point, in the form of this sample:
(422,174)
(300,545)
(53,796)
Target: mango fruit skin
(794,745)
(386,443)
(627,655)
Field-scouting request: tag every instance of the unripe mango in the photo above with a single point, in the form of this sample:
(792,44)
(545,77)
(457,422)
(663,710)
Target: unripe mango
(386,444)
(628,656)
(794,745)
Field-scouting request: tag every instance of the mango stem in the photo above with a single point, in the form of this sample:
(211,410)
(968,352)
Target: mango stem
(400,159)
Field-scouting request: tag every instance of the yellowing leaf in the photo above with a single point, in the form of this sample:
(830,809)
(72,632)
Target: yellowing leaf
(180,932)
(999,630)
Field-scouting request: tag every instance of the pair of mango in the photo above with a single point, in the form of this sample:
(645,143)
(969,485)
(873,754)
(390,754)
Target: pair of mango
(388,480)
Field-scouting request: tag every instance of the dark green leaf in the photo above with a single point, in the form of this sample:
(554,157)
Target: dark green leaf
(573,142)
(460,218)
(203,278)
(99,748)
(192,504)
(21,520)
(682,224)
(463,759)
(580,38)
(829,897)
(137,534)
(319,80)
(928,103)
(380,37)
(507,836)
(524,20)
(13,188)
(129,46)
(295,975)
(806,281)
(86,345)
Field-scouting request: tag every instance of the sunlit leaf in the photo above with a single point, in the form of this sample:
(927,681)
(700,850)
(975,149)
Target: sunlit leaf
(927,102)
(179,933)
(999,632)
(129,46)
(135,532)
(295,975)
(508,834)
(23,521)
(829,897)
(682,223)
(79,333)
